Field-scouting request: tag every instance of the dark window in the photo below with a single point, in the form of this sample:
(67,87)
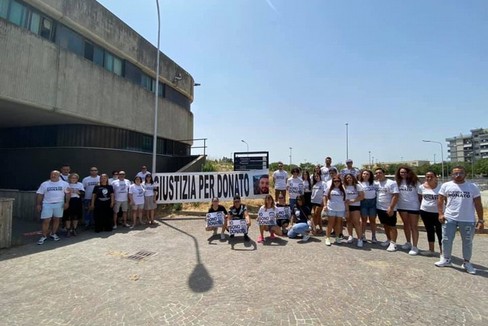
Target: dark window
(146,82)
(89,51)
(47,28)
(176,97)
(133,73)
(98,56)
(67,39)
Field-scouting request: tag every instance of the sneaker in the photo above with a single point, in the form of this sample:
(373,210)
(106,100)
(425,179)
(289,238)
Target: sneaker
(407,246)
(232,235)
(373,239)
(414,251)
(385,243)
(332,234)
(55,237)
(392,247)
(360,243)
(350,239)
(246,238)
(41,240)
(127,225)
(114,227)
(341,236)
(327,242)
(260,239)
(272,235)
(444,262)
(468,267)
(222,236)
(305,238)
(338,240)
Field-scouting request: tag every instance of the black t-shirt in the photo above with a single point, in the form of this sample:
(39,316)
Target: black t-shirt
(301,213)
(237,213)
(103,193)
(219,209)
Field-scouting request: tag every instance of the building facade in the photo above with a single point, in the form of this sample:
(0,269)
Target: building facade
(77,86)
(468,148)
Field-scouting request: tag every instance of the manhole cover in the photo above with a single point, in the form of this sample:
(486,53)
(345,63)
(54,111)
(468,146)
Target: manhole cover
(140,255)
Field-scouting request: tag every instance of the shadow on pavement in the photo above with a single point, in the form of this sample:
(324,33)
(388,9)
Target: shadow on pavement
(200,279)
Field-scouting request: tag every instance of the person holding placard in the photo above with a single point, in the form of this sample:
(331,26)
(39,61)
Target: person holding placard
(300,217)
(267,219)
(238,218)
(216,217)
(283,213)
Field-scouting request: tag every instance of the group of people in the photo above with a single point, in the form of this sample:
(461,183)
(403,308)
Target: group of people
(357,197)
(97,200)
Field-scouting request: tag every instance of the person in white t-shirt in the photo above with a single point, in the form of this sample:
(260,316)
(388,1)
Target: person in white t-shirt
(142,174)
(317,199)
(74,213)
(349,169)
(121,194)
(279,179)
(368,204)
(354,195)
(408,206)
(52,199)
(294,186)
(335,201)
(65,172)
(324,171)
(150,197)
(458,200)
(386,200)
(136,200)
(89,184)
(429,191)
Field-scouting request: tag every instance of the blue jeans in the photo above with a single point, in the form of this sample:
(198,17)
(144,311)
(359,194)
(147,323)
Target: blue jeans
(88,216)
(466,229)
(300,228)
(293,202)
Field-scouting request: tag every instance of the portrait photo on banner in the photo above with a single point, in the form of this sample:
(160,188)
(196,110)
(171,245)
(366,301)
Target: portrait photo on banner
(261,184)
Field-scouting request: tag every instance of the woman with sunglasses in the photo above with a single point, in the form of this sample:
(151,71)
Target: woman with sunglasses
(294,186)
(368,204)
(300,215)
(429,212)
(318,192)
(336,208)
(267,219)
(354,195)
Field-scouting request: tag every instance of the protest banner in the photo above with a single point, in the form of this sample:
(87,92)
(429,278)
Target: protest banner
(237,226)
(267,217)
(203,186)
(215,219)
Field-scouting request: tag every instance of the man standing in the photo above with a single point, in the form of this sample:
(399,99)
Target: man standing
(457,203)
(324,171)
(89,184)
(386,199)
(279,179)
(65,171)
(349,169)
(52,199)
(142,174)
(121,193)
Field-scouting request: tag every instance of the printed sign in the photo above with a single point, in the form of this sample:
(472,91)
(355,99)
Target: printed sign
(283,213)
(202,187)
(215,219)
(237,226)
(267,217)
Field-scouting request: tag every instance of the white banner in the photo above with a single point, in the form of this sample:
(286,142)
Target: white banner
(203,186)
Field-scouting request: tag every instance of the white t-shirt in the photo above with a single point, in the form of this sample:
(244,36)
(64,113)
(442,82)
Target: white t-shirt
(324,173)
(384,193)
(89,183)
(352,192)
(353,171)
(137,192)
(75,189)
(369,190)
(429,198)
(306,186)
(53,192)
(409,197)
(336,201)
(295,187)
(280,179)
(142,175)
(460,201)
(318,192)
(149,189)
(121,189)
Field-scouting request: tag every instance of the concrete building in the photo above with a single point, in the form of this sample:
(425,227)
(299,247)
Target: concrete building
(77,87)
(468,148)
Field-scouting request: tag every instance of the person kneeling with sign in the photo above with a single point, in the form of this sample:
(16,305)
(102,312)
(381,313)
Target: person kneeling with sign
(300,216)
(238,218)
(267,219)
(216,217)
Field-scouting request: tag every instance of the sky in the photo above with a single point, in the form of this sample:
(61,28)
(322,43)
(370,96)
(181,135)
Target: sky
(285,73)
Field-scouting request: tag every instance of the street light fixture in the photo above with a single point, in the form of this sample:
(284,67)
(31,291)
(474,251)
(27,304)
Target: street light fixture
(290,155)
(347,141)
(442,154)
(245,142)
(156,97)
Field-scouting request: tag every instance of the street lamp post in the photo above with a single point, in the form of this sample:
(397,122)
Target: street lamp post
(156,97)
(347,140)
(247,145)
(369,157)
(442,155)
(290,156)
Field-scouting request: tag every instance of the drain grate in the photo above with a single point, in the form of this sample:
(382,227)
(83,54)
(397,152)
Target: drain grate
(140,255)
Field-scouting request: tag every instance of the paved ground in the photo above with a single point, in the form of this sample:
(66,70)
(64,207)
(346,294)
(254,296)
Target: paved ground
(189,280)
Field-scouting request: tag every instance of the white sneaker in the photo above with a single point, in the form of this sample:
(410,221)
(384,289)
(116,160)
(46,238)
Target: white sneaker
(392,247)
(41,240)
(222,236)
(114,227)
(469,268)
(306,236)
(350,239)
(443,262)
(360,243)
(327,242)
(55,237)
(385,243)
(414,251)
(406,246)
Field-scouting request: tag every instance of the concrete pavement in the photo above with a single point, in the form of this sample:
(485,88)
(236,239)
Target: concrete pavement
(178,274)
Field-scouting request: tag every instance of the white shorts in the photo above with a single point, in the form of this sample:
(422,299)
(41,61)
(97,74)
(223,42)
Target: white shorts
(137,207)
(52,210)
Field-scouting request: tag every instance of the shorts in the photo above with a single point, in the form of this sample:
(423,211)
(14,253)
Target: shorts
(385,219)
(149,203)
(282,222)
(136,207)
(121,205)
(354,208)
(52,210)
(316,205)
(74,211)
(332,213)
(368,207)
(408,211)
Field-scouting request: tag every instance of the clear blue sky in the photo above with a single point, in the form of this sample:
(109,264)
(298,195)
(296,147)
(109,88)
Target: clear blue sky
(285,73)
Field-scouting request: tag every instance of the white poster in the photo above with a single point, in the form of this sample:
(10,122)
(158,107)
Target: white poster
(215,219)
(237,226)
(267,217)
